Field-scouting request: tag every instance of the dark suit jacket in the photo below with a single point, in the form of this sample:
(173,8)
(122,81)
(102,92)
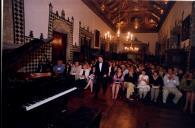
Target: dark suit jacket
(104,70)
(112,72)
(67,71)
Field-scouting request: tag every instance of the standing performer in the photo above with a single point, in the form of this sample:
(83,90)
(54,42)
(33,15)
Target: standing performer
(101,74)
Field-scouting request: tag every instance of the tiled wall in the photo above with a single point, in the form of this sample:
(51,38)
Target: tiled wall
(56,23)
(8,29)
(19,27)
(31,62)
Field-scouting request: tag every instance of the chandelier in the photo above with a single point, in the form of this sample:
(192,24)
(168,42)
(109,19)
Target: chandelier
(131,48)
(108,36)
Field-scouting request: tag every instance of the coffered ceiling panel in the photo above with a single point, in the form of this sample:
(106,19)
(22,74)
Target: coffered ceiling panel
(131,15)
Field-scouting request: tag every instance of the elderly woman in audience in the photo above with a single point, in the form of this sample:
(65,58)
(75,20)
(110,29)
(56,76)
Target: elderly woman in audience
(171,81)
(155,82)
(143,84)
(117,82)
(188,85)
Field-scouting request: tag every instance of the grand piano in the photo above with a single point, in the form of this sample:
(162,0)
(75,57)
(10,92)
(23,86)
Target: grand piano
(40,100)
(36,100)
(32,100)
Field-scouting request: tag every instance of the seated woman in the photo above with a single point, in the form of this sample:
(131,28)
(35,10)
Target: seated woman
(91,79)
(130,80)
(156,82)
(83,76)
(188,85)
(143,86)
(117,82)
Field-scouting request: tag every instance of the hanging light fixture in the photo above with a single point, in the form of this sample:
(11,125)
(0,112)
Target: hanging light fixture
(118,31)
(108,36)
(131,48)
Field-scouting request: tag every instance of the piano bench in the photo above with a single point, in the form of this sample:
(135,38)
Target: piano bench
(85,117)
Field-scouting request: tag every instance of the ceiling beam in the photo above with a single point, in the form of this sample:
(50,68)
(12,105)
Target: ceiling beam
(96,10)
(151,9)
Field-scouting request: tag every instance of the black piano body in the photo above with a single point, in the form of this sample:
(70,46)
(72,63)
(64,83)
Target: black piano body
(33,101)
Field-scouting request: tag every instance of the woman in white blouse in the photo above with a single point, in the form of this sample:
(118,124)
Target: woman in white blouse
(84,72)
(143,84)
(91,79)
(83,77)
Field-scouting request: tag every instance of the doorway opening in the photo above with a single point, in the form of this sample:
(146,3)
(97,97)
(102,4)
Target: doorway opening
(59,46)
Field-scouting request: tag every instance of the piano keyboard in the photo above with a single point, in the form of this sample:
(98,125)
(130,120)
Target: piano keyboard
(39,103)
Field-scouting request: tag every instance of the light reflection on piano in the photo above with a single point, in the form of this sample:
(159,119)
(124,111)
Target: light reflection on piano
(40,75)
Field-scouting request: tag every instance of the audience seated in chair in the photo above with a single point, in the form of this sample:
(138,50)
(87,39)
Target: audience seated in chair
(171,81)
(188,86)
(143,84)
(59,68)
(117,83)
(155,82)
(130,80)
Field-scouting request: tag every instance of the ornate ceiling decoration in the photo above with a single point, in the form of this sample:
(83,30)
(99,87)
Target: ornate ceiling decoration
(131,15)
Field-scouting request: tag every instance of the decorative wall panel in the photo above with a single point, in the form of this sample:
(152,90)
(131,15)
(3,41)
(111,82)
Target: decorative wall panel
(31,62)
(60,24)
(18,18)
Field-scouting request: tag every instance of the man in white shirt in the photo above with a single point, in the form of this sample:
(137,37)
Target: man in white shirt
(101,74)
(171,81)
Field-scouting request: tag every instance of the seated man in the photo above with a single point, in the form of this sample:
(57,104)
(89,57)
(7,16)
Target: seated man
(170,82)
(59,68)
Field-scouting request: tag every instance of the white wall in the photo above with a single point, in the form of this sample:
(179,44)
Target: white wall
(150,38)
(36,17)
(175,15)
(37,11)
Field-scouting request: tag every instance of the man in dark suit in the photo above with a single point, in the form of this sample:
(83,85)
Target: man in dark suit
(101,74)
(67,70)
